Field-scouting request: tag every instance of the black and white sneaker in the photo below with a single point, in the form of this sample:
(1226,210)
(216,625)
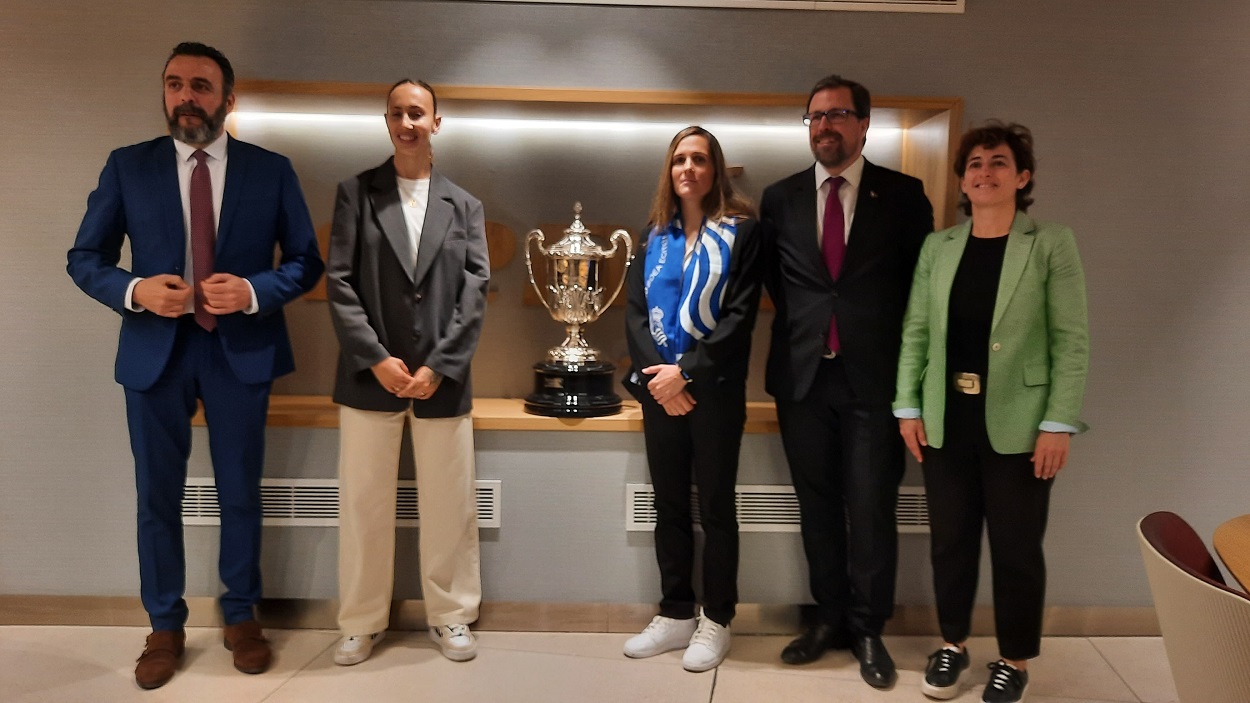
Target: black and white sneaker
(1007,684)
(941,677)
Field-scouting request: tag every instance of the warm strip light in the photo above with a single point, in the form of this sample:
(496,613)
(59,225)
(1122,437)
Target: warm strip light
(518,124)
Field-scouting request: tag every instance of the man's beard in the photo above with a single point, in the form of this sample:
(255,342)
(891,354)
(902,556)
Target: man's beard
(206,131)
(832,157)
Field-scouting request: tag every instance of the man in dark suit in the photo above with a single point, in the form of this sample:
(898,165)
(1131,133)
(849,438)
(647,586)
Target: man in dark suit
(202,318)
(842,239)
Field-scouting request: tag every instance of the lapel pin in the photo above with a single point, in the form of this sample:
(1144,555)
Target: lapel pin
(872,194)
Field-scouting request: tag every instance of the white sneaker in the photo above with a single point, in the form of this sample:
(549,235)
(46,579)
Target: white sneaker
(356,648)
(457,643)
(662,635)
(708,647)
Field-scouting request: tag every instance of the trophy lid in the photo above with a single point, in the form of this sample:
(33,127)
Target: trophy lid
(576,242)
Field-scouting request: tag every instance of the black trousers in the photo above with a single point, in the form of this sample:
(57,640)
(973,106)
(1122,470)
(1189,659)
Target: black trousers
(703,443)
(968,484)
(846,461)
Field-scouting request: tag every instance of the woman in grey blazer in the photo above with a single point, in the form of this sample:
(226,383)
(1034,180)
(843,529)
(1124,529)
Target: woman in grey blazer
(407,283)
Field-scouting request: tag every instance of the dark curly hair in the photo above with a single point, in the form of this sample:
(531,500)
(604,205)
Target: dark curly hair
(1017,137)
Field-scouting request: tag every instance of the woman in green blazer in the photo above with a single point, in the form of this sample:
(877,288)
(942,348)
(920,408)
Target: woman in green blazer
(990,383)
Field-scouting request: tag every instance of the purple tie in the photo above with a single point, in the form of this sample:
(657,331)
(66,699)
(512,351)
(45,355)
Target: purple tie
(833,244)
(203,236)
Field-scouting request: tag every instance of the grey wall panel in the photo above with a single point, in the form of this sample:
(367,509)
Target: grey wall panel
(1139,113)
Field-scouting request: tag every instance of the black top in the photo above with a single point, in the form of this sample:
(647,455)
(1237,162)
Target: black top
(972,305)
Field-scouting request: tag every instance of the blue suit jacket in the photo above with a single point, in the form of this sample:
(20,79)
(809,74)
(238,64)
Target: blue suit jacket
(262,206)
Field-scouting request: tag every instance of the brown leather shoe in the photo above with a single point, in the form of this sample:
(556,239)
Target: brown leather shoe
(251,649)
(160,659)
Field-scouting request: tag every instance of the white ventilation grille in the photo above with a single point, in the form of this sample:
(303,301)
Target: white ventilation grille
(948,6)
(767,508)
(314,502)
(912,513)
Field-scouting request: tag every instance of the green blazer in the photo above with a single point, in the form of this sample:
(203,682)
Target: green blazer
(1039,339)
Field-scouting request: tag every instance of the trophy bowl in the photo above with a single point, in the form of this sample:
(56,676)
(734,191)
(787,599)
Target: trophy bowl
(574,380)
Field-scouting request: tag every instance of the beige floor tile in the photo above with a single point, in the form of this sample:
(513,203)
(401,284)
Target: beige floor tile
(408,667)
(94,664)
(1142,663)
(1058,699)
(574,644)
(1070,667)
(762,653)
(739,686)
(910,654)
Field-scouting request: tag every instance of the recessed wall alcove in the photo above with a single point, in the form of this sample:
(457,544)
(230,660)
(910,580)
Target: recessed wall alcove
(529,154)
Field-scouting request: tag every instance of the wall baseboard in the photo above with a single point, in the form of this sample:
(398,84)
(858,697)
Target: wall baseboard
(752,618)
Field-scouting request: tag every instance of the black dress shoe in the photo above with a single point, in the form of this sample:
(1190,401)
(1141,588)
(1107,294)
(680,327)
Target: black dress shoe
(809,646)
(875,664)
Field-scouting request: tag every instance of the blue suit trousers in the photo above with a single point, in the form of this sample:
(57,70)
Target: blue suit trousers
(160,437)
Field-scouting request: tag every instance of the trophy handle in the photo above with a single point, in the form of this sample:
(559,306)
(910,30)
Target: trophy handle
(536,234)
(629,257)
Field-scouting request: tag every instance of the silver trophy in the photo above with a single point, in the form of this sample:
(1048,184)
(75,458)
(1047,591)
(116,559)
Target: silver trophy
(574,380)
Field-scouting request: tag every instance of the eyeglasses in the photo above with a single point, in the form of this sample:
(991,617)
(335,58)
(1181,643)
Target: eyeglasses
(835,116)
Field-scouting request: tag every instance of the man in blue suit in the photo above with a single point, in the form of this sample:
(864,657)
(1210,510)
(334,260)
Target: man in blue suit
(201,310)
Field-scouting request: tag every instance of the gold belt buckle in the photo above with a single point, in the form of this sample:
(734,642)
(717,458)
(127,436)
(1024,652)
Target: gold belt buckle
(968,383)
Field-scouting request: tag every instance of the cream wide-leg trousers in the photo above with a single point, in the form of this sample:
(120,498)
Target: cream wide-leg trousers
(451,582)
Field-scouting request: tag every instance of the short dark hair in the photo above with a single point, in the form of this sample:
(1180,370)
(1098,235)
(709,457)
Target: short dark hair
(1017,137)
(409,81)
(860,98)
(193,48)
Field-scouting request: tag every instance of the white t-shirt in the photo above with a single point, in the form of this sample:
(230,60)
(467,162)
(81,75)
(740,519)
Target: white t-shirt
(414,195)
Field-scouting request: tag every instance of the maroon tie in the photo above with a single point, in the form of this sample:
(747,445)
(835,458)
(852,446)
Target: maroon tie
(833,244)
(203,236)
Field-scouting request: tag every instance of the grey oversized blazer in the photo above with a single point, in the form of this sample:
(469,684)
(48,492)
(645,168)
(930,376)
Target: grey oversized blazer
(429,314)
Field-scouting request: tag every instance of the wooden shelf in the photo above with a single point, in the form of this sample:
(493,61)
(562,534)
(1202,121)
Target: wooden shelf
(492,414)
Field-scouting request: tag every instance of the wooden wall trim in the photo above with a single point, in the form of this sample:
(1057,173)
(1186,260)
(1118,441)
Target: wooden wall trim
(580,95)
(752,618)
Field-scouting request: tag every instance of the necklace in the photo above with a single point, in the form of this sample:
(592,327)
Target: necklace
(409,190)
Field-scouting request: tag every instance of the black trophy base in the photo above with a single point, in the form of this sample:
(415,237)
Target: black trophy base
(573,390)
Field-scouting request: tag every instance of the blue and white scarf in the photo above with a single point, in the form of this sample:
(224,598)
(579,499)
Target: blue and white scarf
(684,302)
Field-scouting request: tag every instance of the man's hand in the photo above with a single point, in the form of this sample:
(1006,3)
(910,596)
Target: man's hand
(1050,454)
(667,384)
(225,293)
(164,294)
(424,382)
(393,374)
(679,404)
(912,430)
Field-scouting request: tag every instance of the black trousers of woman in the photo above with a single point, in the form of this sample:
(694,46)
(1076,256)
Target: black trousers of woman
(702,444)
(969,484)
